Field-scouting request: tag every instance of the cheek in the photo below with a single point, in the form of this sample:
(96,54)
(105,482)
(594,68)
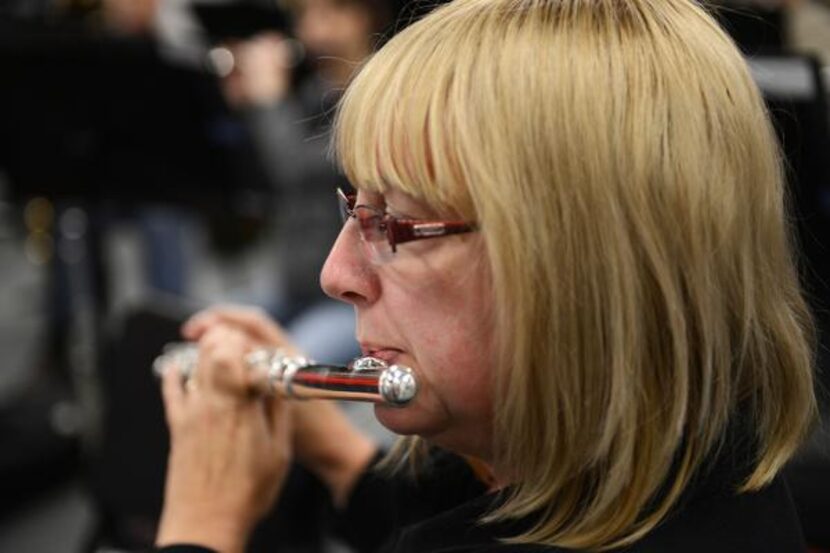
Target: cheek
(456,355)
(444,317)
(464,374)
(451,350)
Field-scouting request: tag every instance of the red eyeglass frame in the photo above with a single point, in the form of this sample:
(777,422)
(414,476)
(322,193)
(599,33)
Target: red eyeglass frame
(400,231)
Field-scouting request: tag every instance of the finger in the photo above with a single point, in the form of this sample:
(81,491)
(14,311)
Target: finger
(217,314)
(173,396)
(222,368)
(197,325)
(272,37)
(251,320)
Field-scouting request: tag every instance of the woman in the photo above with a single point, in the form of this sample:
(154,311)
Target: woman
(615,339)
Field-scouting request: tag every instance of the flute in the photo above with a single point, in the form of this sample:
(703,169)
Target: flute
(366,379)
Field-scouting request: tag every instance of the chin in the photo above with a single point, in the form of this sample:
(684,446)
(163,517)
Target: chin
(409,421)
(439,430)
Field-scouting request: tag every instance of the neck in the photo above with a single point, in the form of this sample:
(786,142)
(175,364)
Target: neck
(486,474)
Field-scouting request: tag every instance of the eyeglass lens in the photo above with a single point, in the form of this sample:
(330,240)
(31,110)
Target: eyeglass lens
(371,224)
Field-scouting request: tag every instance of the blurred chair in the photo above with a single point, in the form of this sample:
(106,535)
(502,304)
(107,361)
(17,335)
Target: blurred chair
(35,455)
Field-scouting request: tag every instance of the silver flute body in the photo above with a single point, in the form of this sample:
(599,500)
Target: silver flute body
(366,379)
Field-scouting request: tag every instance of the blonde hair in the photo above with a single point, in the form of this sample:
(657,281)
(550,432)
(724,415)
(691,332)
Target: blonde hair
(618,159)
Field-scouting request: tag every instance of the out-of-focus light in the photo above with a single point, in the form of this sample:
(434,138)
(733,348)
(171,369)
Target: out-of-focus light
(39,248)
(221,61)
(73,223)
(65,419)
(38,214)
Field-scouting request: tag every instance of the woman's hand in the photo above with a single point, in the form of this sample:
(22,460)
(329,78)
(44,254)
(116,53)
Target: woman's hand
(324,440)
(230,449)
(251,321)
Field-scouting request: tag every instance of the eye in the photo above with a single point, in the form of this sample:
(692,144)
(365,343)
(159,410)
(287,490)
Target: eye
(368,220)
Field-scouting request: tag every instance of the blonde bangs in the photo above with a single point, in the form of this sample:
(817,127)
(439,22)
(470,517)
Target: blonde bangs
(400,123)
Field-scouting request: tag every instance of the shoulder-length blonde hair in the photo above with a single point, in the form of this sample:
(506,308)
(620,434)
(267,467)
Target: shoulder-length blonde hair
(619,161)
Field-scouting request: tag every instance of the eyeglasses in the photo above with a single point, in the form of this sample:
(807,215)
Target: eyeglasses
(382,232)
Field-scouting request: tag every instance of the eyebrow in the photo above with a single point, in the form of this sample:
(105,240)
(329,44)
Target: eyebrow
(373,196)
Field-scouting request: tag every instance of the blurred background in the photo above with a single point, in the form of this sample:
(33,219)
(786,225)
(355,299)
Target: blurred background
(160,156)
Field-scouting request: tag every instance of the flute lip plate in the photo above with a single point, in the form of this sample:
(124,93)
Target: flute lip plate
(369,363)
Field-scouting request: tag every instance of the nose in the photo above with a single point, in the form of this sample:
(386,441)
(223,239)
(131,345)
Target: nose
(347,274)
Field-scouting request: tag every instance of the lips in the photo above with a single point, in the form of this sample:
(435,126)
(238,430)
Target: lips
(389,355)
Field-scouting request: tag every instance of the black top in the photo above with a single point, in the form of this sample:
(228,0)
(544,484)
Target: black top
(756,523)
(439,511)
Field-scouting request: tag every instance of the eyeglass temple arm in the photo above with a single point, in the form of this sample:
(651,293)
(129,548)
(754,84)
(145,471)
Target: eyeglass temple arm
(403,231)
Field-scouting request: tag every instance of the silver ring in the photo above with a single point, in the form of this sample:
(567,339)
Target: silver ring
(182,357)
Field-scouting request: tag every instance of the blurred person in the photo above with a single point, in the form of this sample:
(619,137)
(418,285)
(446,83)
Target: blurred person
(27,8)
(168,230)
(132,17)
(164,229)
(180,36)
(289,122)
(570,223)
